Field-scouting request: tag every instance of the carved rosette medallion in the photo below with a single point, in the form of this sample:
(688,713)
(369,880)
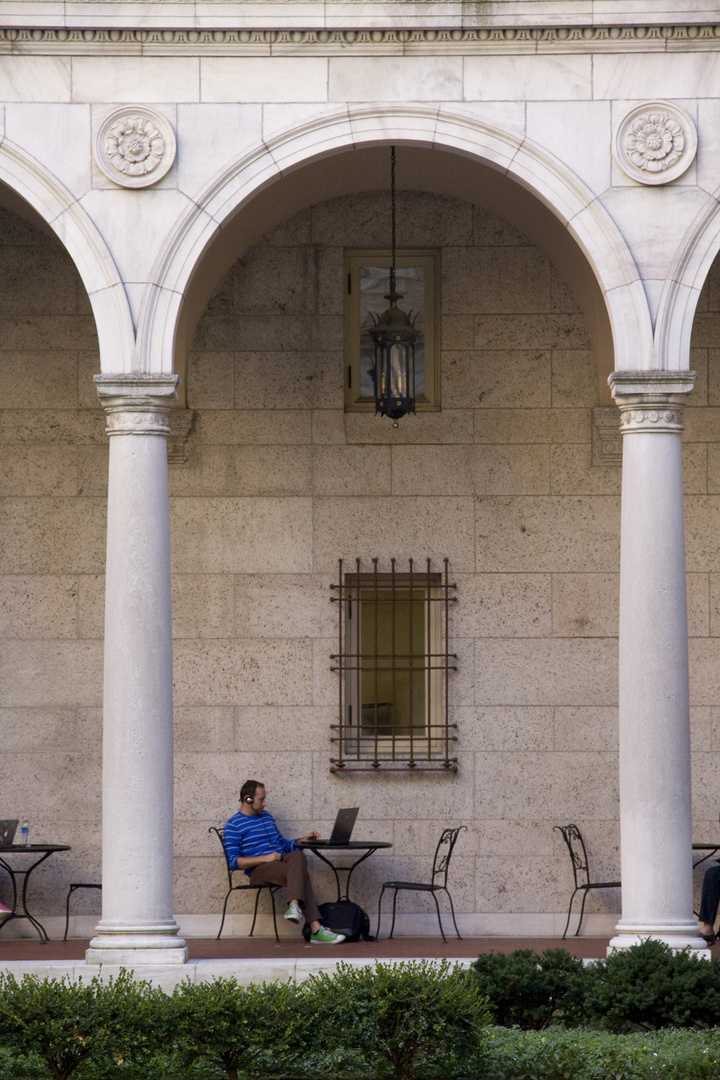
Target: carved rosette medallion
(135,147)
(656,143)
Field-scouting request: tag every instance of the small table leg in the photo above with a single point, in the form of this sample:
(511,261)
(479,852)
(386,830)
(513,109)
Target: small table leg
(345,869)
(23,898)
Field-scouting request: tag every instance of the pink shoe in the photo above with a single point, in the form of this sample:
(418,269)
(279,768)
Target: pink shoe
(5,910)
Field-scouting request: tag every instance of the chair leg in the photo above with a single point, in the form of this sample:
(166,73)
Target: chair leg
(567,923)
(222,921)
(437,906)
(392,928)
(257,901)
(67,913)
(377,935)
(272,901)
(452,912)
(582,911)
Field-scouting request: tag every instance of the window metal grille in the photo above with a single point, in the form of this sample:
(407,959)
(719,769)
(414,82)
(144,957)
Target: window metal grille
(394,665)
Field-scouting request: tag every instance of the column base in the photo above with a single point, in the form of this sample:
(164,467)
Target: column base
(133,958)
(130,946)
(678,936)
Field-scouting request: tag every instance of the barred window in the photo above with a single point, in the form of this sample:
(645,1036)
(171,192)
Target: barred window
(394,666)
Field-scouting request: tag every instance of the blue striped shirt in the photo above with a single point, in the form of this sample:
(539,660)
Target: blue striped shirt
(249,835)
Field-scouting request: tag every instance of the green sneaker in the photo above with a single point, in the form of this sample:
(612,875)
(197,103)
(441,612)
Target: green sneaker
(323,936)
(293,914)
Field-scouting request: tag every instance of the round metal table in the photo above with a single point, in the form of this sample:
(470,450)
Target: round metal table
(44,851)
(353,846)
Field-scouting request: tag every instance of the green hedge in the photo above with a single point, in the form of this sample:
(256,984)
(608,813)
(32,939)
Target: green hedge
(643,988)
(401,1021)
(240,1030)
(416,1019)
(508,1054)
(63,1025)
(585,1055)
(411,1021)
(649,987)
(526,990)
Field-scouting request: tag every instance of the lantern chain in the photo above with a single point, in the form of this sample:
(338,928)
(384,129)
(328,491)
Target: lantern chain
(392,212)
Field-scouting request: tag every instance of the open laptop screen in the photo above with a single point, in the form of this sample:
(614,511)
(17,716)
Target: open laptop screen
(344,825)
(7,831)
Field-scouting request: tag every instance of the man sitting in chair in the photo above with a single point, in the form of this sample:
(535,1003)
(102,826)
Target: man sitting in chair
(709,903)
(254,844)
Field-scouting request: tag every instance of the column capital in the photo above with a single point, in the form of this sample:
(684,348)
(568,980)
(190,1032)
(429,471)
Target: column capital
(137,404)
(651,400)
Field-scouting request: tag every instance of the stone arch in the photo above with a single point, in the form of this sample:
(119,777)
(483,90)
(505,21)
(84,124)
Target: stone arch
(683,284)
(29,179)
(587,227)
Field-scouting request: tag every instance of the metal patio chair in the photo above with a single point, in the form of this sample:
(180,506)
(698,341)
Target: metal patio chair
(437,883)
(581,871)
(272,889)
(73,887)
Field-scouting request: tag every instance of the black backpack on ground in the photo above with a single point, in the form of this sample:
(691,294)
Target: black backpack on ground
(344,917)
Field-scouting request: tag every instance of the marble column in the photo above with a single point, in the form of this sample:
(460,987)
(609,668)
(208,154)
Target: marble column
(137,924)
(655,804)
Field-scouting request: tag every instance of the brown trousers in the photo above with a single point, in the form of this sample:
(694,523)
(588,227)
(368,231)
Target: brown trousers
(292,872)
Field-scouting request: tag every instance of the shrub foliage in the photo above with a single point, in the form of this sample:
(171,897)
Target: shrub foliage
(526,989)
(411,1021)
(66,1024)
(251,1031)
(415,1019)
(643,988)
(648,986)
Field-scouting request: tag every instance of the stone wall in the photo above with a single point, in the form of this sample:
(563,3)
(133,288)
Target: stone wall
(279,484)
(53,457)
(500,482)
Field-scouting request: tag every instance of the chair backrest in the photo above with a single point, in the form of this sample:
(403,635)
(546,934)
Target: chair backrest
(220,835)
(578,855)
(443,854)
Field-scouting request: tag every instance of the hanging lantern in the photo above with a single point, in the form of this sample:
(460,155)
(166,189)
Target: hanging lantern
(394,336)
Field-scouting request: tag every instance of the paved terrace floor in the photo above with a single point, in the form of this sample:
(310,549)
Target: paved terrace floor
(257,948)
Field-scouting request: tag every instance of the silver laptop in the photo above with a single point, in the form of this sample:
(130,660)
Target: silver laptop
(7,831)
(343,827)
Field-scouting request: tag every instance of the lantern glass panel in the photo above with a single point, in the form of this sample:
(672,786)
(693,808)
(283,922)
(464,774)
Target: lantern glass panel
(374,286)
(399,375)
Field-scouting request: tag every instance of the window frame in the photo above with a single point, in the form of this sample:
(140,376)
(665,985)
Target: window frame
(411,747)
(354,260)
(368,591)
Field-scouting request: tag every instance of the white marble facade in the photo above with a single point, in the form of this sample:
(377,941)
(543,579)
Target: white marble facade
(178,182)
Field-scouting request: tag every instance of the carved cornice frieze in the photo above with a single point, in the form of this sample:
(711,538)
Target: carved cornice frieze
(659,416)
(134,419)
(480,40)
